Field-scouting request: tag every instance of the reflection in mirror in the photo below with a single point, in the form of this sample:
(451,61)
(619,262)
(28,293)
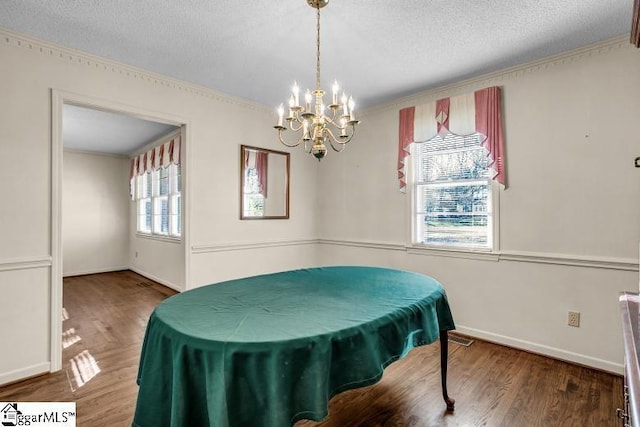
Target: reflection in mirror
(264,183)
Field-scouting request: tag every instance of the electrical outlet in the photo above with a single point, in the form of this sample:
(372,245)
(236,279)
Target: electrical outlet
(574,319)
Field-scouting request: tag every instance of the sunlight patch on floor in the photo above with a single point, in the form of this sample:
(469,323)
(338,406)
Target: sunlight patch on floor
(84,367)
(69,337)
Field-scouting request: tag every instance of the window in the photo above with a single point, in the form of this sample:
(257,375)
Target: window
(452,193)
(159,204)
(253,198)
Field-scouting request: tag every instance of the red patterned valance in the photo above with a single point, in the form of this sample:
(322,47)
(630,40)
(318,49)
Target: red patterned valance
(158,157)
(480,111)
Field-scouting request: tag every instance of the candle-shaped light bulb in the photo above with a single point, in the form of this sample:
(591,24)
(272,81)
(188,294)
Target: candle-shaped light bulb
(307,99)
(352,104)
(305,130)
(335,89)
(296,93)
(280,114)
(292,102)
(345,110)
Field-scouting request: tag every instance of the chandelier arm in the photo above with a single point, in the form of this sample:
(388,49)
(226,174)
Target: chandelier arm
(292,125)
(333,119)
(331,138)
(336,124)
(353,132)
(333,147)
(343,139)
(282,141)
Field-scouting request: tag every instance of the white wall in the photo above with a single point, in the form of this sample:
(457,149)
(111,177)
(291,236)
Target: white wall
(159,259)
(224,247)
(576,256)
(99,223)
(216,126)
(569,220)
(95,213)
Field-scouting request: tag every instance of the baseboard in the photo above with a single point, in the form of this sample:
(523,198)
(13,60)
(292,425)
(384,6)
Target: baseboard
(555,353)
(156,279)
(94,271)
(24,373)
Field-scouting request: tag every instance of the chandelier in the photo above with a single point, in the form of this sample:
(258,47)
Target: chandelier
(317,129)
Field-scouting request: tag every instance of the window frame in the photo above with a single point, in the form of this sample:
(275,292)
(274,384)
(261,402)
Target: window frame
(413,227)
(175,220)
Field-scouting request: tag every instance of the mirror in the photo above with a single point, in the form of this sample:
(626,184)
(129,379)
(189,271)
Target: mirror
(264,183)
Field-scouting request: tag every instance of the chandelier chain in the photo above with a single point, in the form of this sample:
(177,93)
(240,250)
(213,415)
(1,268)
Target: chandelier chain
(318,48)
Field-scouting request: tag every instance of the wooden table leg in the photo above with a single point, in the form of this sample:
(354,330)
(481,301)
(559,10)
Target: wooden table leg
(444,357)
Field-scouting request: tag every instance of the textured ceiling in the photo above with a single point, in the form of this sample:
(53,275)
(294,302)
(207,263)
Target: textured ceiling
(378,49)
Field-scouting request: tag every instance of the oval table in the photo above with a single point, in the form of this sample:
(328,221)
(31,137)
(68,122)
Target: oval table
(273,349)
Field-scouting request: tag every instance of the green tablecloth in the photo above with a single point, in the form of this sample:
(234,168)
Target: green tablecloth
(269,350)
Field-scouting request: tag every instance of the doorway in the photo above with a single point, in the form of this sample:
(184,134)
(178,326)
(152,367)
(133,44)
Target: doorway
(86,126)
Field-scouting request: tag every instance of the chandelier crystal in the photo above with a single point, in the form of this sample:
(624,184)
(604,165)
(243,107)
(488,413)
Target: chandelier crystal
(316,129)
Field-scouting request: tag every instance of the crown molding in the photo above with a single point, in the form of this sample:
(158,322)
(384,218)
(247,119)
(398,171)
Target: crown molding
(17,39)
(497,77)
(94,153)
(81,58)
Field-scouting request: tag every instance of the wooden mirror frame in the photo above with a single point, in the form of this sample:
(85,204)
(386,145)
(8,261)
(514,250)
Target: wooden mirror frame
(243,149)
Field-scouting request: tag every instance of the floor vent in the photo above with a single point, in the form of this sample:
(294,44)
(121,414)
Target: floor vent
(144,284)
(460,340)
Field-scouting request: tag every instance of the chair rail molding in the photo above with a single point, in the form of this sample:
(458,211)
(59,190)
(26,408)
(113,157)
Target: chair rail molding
(389,246)
(625,264)
(611,263)
(43,261)
(242,246)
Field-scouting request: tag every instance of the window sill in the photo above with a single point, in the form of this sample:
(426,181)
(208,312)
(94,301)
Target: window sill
(160,238)
(485,255)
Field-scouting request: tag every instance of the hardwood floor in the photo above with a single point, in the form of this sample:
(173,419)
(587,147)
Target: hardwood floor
(108,313)
(492,385)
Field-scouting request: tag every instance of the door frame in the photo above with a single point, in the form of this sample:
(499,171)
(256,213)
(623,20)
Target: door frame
(58,99)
